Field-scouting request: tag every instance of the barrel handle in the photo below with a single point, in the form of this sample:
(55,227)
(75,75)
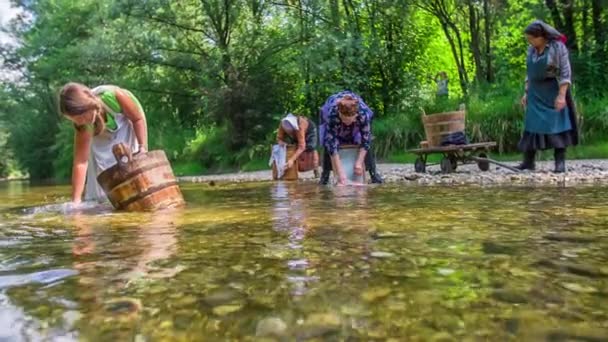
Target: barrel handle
(122,153)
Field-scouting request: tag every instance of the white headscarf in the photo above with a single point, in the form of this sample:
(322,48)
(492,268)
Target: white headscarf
(292,120)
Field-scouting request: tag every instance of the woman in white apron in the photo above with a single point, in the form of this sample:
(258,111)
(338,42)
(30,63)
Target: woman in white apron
(103,117)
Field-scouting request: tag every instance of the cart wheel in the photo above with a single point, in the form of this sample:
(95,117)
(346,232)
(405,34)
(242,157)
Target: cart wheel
(483,165)
(420,165)
(446,165)
(454,162)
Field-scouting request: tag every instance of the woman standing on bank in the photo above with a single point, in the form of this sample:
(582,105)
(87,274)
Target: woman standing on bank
(550,121)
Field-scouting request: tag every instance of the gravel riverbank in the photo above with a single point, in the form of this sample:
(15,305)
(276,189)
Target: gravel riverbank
(580,172)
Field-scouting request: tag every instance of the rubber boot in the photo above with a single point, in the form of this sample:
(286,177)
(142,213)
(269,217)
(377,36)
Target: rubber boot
(529,161)
(560,160)
(326,169)
(370,165)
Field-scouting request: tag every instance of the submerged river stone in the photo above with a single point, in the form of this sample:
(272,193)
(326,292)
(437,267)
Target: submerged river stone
(271,327)
(570,237)
(491,247)
(220,296)
(381,255)
(578,269)
(442,337)
(227,309)
(318,325)
(123,306)
(578,288)
(509,296)
(375,294)
(186,300)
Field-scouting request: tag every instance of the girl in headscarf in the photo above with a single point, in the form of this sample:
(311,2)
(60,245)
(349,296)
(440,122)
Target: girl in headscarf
(301,131)
(550,121)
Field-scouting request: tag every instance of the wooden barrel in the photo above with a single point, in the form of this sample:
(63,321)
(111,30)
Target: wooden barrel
(142,182)
(348,156)
(437,126)
(290,174)
(308,160)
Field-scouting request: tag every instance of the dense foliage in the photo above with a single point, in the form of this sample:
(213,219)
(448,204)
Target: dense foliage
(215,76)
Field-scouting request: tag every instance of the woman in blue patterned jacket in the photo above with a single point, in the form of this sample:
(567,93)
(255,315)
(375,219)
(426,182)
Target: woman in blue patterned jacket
(346,120)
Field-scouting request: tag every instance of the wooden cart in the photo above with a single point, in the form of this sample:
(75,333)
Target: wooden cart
(452,154)
(436,128)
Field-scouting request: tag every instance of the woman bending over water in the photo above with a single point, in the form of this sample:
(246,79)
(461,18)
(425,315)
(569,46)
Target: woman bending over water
(102,117)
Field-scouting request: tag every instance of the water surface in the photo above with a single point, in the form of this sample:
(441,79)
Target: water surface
(297,262)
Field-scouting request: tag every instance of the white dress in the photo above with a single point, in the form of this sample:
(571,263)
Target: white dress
(101,156)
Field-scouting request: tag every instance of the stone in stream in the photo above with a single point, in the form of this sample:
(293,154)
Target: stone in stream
(381,255)
(186,300)
(490,247)
(443,337)
(70,317)
(123,308)
(271,327)
(387,235)
(220,296)
(375,294)
(223,310)
(509,296)
(445,271)
(578,269)
(355,310)
(319,325)
(577,335)
(578,288)
(569,237)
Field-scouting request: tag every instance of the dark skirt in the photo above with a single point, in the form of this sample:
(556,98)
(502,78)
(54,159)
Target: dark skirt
(538,141)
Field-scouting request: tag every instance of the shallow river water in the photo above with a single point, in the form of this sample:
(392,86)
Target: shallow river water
(289,262)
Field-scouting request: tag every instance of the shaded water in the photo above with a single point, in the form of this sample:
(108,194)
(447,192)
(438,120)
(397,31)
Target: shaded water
(297,262)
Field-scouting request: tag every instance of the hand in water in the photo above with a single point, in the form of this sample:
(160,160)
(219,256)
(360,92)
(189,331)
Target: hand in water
(73,206)
(342,181)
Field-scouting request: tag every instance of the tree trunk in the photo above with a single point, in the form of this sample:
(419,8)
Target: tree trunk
(565,24)
(335,15)
(568,28)
(461,75)
(475,41)
(599,31)
(488,40)
(585,25)
(462,65)
(555,15)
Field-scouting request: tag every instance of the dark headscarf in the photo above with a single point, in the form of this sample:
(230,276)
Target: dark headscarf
(539,28)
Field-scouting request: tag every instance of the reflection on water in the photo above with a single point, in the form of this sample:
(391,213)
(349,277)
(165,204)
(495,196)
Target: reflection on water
(294,262)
